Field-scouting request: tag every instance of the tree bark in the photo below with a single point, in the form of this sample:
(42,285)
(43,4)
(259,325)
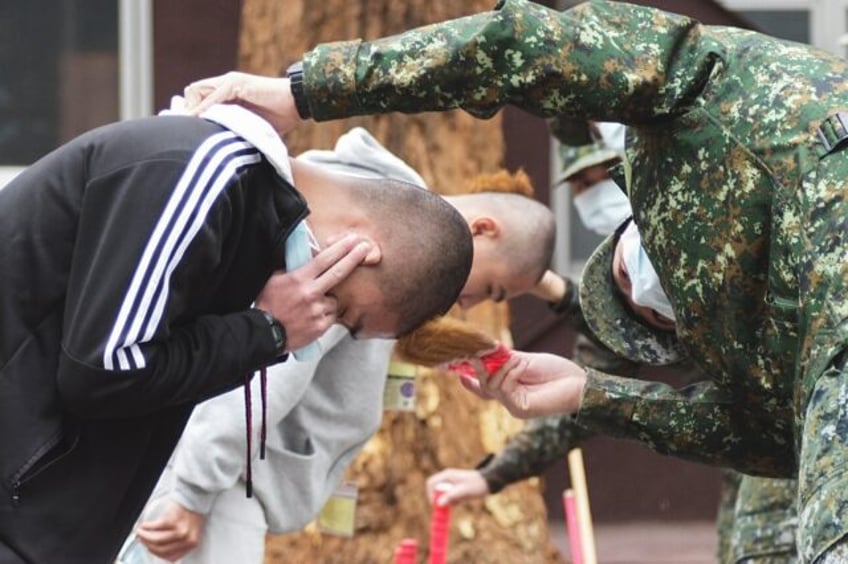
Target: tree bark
(449,426)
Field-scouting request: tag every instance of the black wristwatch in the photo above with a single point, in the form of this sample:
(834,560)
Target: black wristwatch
(295,76)
(277,331)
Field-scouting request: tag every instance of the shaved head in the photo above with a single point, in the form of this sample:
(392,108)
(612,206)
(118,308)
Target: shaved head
(427,249)
(529,227)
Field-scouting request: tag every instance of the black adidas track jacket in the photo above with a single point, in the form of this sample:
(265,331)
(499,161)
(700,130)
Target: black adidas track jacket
(129,258)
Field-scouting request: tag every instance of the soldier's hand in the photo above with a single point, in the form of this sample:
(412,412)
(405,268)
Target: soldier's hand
(533,385)
(269,97)
(463,485)
(300,300)
(174,534)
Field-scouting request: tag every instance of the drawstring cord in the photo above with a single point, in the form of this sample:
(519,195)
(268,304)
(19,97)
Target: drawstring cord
(248,415)
(263,383)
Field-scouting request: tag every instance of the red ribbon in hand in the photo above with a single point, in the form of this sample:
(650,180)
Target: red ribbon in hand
(492,362)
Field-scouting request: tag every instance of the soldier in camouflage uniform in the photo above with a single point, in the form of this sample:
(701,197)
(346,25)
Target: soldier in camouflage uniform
(737,179)
(756,526)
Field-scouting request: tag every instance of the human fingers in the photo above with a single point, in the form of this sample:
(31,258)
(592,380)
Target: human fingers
(171,552)
(467,490)
(464,485)
(342,267)
(436,481)
(171,543)
(269,97)
(494,383)
(330,255)
(301,332)
(160,524)
(432,481)
(201,94)
(156,538)
(453,494)
(472,384)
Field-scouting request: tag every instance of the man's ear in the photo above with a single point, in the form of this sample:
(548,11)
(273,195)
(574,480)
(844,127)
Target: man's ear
(375,255)
(485,226)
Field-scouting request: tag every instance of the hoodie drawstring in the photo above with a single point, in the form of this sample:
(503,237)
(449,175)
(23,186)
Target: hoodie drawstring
(263,429)
(248,415)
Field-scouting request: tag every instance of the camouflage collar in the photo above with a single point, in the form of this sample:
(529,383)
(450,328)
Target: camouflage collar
(611,320)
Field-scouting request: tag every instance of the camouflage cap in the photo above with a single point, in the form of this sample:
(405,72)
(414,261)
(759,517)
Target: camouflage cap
(577,158)
(612,321)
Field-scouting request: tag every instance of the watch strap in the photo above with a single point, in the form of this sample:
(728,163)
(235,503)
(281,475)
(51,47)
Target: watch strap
(278,332)
(295,76)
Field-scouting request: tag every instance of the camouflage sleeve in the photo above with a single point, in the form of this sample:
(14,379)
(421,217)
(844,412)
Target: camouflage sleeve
(568,306)
(609,61)
(591,353)
(698,423)
(529,453)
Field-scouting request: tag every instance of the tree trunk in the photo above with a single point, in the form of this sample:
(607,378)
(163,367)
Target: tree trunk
(449,426)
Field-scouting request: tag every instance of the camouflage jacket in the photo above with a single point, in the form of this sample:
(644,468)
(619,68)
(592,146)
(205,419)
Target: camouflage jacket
(723,161)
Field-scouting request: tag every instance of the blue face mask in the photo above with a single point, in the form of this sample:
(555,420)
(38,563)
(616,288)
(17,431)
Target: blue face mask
(645,284)
(299,248)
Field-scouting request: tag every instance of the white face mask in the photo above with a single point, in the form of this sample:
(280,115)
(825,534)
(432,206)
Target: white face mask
(645,284)
(613,134)
(602,207)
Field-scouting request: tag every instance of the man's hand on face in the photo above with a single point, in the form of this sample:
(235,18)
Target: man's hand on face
(271,98)
(299,299)
(174,534)
(532,384)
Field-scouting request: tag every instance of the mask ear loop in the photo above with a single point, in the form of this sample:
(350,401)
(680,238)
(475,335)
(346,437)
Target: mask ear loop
(617,293)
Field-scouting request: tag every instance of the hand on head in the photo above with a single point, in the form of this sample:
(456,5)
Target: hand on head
(271,98)
(462,485)
(531,384)
(300,299)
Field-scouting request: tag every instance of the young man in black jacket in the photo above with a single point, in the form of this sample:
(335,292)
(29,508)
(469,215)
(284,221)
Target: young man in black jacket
(142,271)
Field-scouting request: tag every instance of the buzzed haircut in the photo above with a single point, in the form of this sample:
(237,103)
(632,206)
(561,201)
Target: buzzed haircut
(529,245)
(427,249)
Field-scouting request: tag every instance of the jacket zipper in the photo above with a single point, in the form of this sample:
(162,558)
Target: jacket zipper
(21,478)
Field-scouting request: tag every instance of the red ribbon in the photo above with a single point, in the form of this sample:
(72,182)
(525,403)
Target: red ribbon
(492,362)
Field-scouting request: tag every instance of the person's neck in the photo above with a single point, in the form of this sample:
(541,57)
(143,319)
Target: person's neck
(330,209)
